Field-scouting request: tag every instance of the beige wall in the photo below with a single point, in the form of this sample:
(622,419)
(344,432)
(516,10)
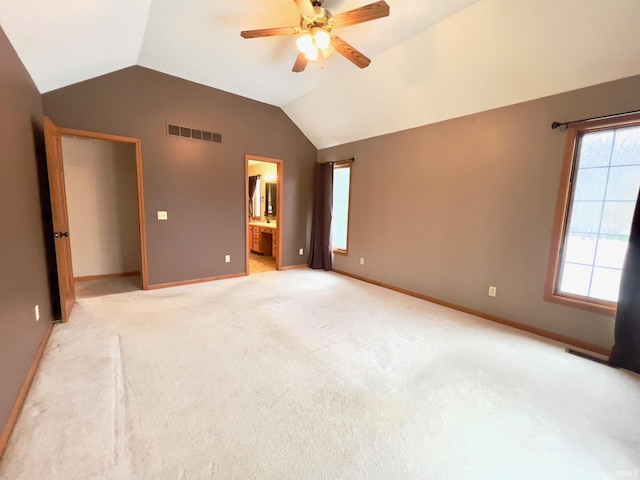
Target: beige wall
(448,209)
(100,179)
(265,169)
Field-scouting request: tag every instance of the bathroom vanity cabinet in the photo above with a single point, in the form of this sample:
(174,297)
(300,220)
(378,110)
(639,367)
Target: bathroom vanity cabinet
(263,238)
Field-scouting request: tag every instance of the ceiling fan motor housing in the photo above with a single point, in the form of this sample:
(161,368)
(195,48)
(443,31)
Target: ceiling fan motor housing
(319,20)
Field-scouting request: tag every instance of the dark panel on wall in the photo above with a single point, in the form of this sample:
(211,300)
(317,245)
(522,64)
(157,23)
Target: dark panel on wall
(200,183)
(23,274)
(448,209)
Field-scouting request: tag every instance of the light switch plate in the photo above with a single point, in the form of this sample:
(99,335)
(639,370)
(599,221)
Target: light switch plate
(162,215)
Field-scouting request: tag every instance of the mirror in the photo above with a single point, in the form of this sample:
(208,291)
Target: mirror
(270,200)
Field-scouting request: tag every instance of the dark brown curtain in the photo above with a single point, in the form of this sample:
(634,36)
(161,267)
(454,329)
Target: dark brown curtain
(626,351)
(253,181)
(320,251)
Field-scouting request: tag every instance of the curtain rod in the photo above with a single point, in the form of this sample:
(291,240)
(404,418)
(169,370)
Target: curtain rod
(555,125)
(352,159)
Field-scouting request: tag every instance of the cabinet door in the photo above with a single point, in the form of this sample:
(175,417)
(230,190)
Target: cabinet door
(274,243)
(265,243)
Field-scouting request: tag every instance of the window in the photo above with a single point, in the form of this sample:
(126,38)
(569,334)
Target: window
(256,199)
(597,198)
(340,212)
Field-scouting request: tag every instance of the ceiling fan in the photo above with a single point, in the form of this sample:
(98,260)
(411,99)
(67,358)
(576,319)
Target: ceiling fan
(315,30)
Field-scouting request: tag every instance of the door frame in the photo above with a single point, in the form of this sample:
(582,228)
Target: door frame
(71,132)
(279,182)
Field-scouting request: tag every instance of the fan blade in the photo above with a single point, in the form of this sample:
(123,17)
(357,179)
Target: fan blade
(350,53)
(305,8)
(362,14)
(301,63)
(270,32)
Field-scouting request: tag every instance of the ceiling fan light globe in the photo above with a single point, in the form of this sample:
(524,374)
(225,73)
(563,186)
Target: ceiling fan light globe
(327,52)
(312,54)
(305,43)
(322,39)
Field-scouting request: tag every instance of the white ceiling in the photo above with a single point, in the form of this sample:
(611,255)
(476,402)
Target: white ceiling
(431,59)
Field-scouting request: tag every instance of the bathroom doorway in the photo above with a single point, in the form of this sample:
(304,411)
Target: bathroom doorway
(264,179)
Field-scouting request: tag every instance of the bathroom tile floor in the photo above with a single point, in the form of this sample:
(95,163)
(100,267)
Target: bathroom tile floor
(259,263)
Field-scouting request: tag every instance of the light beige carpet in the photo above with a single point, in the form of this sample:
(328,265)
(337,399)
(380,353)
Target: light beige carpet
(312,375)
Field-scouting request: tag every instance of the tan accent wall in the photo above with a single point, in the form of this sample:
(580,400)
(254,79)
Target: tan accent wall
(24,279)
(448,209)
(200,184)
(100,179)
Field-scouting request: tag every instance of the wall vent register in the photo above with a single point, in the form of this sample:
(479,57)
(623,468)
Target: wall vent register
(193,133)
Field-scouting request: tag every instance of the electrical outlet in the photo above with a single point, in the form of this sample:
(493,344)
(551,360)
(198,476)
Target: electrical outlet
(227,258)
(302,251)
(361,261)
(37,310)
(162,215)
(492,291)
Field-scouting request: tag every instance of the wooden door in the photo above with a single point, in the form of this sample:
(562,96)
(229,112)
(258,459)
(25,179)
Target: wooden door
(60,232)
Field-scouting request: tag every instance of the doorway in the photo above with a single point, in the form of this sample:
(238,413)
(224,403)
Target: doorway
(100,196)
(264,216)
(59,212)
(102,204)
(103,180)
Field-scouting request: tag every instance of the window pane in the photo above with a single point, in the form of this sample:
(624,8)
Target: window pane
(627,147)
(585,217)
(611,251)
(616,218)
(340,217)
(605,284)
(591,183)
(580,248)
(623,183)
(575,279)
(595,149)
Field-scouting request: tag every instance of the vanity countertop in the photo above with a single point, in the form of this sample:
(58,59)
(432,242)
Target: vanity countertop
(272,225)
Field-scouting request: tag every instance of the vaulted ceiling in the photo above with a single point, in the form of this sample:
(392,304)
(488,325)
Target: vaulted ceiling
(431,59)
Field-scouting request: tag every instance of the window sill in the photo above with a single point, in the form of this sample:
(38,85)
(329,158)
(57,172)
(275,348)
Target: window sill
(602,307)
(337,251)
